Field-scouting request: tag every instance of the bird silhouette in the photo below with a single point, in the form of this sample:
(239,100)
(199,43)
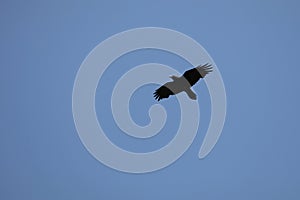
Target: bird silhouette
(183,83)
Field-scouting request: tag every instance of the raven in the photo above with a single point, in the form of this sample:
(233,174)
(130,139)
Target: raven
(183,83)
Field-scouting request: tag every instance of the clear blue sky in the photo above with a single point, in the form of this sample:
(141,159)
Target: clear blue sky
(255,45)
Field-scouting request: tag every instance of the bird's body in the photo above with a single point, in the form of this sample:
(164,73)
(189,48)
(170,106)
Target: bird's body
(183,83)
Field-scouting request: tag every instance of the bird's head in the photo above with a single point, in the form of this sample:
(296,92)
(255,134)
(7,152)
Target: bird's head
(173,77)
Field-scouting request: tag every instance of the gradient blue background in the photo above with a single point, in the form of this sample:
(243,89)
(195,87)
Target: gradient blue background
(256,47)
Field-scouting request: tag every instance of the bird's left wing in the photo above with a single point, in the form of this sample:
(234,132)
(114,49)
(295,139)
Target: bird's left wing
(162,92)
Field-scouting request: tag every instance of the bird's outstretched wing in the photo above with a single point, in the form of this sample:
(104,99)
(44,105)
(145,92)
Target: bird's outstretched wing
(162,92)
(193,75)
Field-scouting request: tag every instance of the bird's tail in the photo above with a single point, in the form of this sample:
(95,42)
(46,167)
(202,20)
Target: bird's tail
(191,94)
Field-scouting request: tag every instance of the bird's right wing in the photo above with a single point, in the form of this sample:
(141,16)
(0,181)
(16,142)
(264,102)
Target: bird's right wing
(193,75)
(204,69)
(162,92)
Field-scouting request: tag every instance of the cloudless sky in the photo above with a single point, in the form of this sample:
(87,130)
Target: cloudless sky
(255,45)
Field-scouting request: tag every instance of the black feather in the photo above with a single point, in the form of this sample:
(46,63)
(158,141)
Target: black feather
(193,75)
(162,92)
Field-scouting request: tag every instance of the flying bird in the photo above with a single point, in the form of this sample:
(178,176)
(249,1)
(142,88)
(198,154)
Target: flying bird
(183,83)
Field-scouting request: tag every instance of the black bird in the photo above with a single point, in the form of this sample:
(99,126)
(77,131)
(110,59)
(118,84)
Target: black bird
(183,83)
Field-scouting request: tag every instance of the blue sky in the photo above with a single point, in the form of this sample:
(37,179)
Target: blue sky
(255,45)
